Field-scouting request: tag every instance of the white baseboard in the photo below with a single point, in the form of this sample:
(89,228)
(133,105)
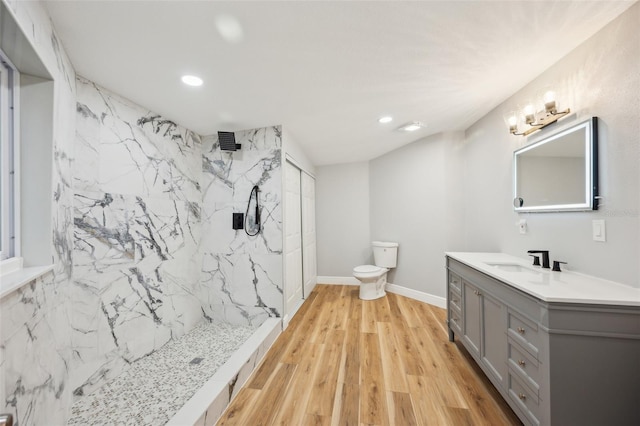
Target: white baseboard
(338,280)
(438,301)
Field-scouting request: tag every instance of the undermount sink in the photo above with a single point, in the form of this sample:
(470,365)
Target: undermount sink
(512,267)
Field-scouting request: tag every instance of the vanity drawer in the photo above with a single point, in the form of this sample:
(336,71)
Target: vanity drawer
(527,401)
(455,282)
(526,366)
(525,332)
(455,300)
(455,319)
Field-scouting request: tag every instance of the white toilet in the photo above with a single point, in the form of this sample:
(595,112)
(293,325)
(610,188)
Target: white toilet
(374,278)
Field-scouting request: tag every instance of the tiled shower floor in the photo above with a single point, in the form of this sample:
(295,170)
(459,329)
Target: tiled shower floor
(154,388)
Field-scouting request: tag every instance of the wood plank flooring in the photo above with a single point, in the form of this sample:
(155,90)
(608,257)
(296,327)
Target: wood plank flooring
(346,361)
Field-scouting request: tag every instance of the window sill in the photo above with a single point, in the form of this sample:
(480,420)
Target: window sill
(13,275)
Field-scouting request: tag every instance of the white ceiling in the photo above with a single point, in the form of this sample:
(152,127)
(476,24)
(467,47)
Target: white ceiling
(325,70)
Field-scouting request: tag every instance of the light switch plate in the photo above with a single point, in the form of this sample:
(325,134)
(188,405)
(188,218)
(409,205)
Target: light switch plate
(599,230)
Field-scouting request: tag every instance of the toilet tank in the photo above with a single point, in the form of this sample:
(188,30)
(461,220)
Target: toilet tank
(385,254)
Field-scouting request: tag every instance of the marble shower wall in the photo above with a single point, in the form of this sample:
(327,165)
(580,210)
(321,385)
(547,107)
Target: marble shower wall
(241,280)
(35,337)
(141,240)
(137,223)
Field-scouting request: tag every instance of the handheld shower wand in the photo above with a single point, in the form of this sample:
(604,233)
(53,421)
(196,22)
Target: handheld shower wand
(257,222)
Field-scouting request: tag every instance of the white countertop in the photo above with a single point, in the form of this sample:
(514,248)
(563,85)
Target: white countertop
(549,286)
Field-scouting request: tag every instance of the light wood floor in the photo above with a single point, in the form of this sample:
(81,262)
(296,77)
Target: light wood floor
(345,361)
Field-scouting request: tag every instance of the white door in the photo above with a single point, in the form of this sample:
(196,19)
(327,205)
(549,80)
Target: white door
(309,271)
(293,242)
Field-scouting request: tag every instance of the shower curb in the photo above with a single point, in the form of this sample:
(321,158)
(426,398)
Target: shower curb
(207,405)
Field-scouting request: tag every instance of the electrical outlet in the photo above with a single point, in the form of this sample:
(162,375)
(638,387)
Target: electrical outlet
(522,226)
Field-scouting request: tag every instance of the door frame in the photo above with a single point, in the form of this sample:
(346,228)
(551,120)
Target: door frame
(286,317)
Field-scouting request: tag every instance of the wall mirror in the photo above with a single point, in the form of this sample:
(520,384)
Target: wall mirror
(558,172)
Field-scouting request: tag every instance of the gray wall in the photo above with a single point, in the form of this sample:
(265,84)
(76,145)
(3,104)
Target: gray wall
(414,201)
(454,192)
(600,78)
(342,218)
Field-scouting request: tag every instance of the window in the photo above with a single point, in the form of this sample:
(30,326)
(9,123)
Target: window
(8,159)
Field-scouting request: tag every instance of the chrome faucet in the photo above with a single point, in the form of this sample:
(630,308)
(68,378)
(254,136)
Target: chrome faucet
(545,257)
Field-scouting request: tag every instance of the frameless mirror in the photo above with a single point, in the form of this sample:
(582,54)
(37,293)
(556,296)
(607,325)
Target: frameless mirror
(559,172)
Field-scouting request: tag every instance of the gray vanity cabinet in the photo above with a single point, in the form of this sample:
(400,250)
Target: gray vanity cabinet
(471,317)
(484,329)
(494,336)
(553,363)
(454,304)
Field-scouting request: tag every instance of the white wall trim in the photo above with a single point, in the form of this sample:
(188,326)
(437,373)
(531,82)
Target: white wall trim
(338,280)
(438,301)
(288,157)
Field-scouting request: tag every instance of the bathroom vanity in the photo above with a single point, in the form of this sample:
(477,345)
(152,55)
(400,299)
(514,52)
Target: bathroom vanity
(561,347)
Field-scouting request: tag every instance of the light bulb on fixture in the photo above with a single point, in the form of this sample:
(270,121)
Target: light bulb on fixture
(549,100)
(536,120)
(529,113)
(513,123)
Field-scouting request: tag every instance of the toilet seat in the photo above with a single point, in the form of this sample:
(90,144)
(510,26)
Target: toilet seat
(368,271)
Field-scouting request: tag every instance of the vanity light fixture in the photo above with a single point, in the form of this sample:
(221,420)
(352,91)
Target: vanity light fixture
(411,127)
(384,120)
(191,80)
(536,120)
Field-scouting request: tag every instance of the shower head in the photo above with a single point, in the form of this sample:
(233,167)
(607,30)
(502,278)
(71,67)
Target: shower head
(227,141)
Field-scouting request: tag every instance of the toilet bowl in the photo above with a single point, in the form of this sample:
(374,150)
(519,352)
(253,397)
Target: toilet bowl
(372,281)
(373,278)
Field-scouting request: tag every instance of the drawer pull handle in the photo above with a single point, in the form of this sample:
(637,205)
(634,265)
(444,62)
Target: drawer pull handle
(522,396)
(521,363)
(521,330)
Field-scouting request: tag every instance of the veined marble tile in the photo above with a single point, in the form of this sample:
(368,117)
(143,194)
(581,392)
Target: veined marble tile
(244,280)
(219,237)
(136,281)
(241,281)
(230,176)
(138,152)
(34,320)
(251,316)
(34,353)
(103,234)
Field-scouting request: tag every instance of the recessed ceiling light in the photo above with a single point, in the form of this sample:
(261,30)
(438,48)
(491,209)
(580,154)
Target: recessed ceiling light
(384,120)
(411,127)
(191,80)
(229,28)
